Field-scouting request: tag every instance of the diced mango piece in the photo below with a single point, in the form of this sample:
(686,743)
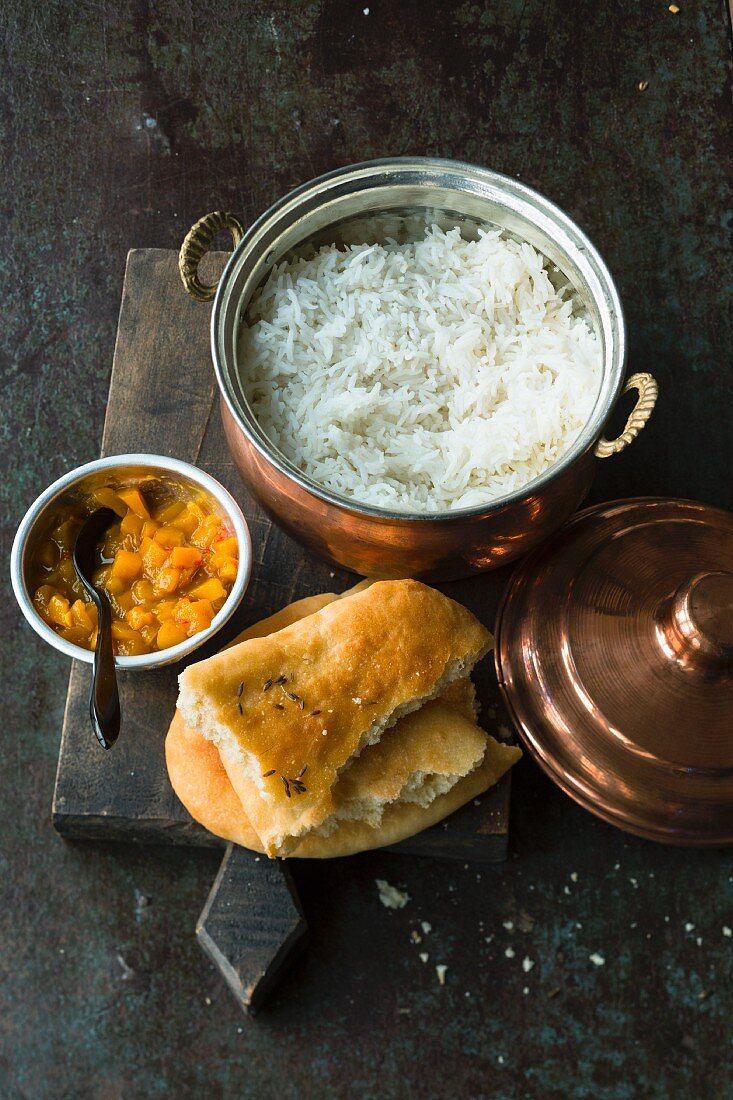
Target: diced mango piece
(66,571)
(150,634)
(127,566)
(134,500)
(170,634)
(75,634)
(154,557)
(123,602)
(168,512)
(143,591)
(108,498)
(42,595)
(196,510)
(166,609)
(227,546)
(58,611)
(199,615)
(168,537)
(212,589)
(203,536)
(134,646)
(168,579)
(138,617)
(149,529)
(132,525)
(114,585)
(187,522)
(185,557)
(216,561)
(228,572)
(81,616)
(122,631)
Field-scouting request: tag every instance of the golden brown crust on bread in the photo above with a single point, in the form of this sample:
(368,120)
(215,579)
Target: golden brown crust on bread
(201,783)
(352,669)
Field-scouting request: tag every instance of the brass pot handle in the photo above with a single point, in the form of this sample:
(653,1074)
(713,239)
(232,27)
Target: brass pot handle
(648,390)
(197,244)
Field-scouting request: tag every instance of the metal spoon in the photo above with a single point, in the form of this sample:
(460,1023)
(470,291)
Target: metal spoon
(104,699)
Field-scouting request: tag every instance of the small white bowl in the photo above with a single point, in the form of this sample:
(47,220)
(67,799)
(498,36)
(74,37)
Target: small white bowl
(37,521)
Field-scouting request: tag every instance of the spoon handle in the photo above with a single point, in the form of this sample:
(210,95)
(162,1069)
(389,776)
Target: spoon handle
(104,699)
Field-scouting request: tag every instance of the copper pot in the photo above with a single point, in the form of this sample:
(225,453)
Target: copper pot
(364,203)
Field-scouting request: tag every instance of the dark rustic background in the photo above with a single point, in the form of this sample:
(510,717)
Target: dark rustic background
(121,123)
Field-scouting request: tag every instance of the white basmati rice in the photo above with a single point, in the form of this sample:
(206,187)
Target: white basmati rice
(420,377)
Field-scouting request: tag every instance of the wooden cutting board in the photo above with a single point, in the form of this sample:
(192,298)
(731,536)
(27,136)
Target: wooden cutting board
(163,399)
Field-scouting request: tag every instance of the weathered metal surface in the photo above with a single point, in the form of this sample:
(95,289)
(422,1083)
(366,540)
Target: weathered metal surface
(122,123)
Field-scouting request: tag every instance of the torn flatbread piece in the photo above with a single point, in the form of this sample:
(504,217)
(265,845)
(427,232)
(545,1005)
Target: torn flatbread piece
(289,712)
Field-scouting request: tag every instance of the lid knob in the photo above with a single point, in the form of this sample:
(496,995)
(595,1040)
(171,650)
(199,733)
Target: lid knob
(698,626)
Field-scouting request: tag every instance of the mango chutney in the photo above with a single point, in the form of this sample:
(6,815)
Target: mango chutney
(167,567)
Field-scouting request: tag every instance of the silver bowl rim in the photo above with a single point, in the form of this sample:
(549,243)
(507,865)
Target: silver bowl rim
(143,661)
(615,356)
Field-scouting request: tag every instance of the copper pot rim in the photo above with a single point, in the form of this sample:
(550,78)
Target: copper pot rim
(588,436)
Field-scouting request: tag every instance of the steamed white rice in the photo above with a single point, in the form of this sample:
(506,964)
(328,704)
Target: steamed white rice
(420,377)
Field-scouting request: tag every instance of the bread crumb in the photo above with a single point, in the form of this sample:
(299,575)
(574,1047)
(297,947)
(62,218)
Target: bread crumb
(426,926)
(689,926)
(415,936)
(207,1000)
(674,9)
(423,956)
(508,924)
(527,964)
(509,952)
(596,959)
(390,896)
(573,876)
(440,971)
(727,931)
(643,85)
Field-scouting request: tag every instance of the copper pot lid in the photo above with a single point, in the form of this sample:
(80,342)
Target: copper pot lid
(614,651)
